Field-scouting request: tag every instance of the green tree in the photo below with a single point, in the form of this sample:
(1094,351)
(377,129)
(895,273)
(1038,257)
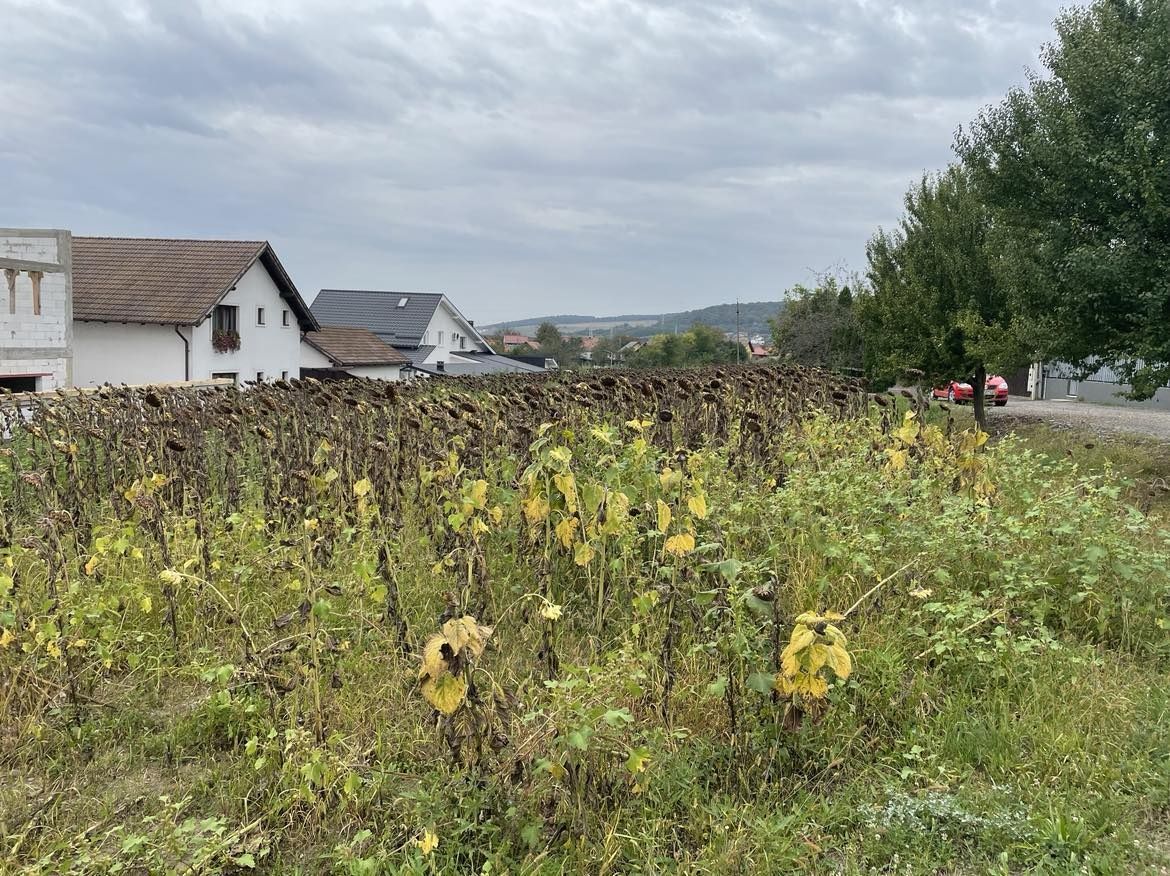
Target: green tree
(935,304)
(700,345)
(819,327)
(1076,168)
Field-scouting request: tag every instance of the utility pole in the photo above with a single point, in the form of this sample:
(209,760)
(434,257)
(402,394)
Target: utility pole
(738,345)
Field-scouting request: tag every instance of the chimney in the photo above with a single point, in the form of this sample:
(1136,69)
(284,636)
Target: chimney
(441,366)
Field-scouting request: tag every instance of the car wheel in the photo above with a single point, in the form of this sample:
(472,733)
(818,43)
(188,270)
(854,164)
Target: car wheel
(1000,404)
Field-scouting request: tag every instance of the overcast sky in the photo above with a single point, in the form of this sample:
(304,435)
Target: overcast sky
(524,156)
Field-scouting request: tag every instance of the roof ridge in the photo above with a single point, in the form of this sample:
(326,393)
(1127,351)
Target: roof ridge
(248,240)
(383,292)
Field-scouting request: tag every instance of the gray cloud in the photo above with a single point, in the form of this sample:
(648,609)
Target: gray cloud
(524,156)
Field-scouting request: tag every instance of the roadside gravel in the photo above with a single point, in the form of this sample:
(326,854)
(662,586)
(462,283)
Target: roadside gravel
(1101,419)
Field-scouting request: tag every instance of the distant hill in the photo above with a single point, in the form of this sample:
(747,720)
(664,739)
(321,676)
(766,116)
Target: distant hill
(753,320)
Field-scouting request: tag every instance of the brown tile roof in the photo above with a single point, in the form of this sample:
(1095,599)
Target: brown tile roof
(349,346)
(169,282)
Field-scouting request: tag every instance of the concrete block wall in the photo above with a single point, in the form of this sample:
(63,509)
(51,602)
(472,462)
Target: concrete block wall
(32,343)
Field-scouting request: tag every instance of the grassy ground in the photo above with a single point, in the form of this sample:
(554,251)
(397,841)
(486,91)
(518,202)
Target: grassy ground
(1008,709)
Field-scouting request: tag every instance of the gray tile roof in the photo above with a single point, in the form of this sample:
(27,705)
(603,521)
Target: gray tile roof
(379,312)
(416,355)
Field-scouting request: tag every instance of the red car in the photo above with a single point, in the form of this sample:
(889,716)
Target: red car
(961,392)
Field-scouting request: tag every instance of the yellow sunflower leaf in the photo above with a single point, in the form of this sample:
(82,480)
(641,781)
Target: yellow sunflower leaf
(816,656)
(663,516)
(841,662)
(362,488)
(584,554)
(478,494)
(446,693)
(680,545)
(433,662)
(698,505)
(567,484)
(565,530)
(535,510)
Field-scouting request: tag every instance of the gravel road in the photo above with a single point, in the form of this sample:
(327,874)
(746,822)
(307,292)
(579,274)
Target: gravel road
(1102,419)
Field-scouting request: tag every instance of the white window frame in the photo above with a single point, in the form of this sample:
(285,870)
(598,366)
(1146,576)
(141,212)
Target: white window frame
(260,316)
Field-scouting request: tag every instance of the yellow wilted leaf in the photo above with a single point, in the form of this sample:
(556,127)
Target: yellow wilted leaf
(427,843)
(680,545)
(669,479)
(801,638)
(464,632)
(433,663)
(170,576)
(6,638)
(145,605)
(446,693)
(563,455)
(565,530)
(567,484)
(496,514)
(698,505)
(897,461)
(817,656)
(810,685)
(479,491)
(663,516)
(840,661)
(53,648)
(551,612)
(362,488)
(91,565)
(535,510)
(584,554)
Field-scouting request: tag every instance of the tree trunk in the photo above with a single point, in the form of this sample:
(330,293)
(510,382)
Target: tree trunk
(978,389)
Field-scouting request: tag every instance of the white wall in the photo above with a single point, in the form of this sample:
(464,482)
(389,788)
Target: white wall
(311,357)
(41,343)
(377,372)
(445,322)
(272,348)
(114,352)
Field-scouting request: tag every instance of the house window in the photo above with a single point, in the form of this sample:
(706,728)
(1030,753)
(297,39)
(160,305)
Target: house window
(462,342)
(284,319)
(225,375)
(259,376)
(259,316)
(284,374)
(440,339)
(426,338)
(227,318)
(20,383)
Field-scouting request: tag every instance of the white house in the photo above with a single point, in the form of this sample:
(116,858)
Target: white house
(426,327)
(334,352)
(36,327)
(149,310)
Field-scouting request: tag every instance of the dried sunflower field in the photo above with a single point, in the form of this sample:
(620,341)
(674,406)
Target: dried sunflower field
(724,620)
